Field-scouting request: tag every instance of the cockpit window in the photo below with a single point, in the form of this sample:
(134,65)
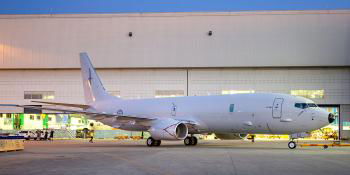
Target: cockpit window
(305,105)
(312,105)
(301,105)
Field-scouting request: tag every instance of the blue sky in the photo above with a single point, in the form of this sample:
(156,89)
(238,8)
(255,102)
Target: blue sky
(144,6)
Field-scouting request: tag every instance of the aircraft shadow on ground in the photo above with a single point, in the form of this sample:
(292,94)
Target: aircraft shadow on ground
(199,146)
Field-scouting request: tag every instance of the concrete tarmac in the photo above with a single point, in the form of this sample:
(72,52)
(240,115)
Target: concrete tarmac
(105,157)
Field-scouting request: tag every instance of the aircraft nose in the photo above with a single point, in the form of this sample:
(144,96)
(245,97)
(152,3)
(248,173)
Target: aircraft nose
(331,118)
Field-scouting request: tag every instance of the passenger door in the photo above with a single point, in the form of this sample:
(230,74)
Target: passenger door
(277,108)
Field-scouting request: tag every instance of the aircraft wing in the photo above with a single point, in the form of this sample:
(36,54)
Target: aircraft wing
(100,116)
(64,104)
(96,115)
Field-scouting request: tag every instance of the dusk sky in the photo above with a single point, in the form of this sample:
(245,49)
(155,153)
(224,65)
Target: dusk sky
(144,6)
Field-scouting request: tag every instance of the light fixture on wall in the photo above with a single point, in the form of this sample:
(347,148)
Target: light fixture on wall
(210,33)
(130,34)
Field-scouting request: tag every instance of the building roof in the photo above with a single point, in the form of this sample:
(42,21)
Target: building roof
(148,6)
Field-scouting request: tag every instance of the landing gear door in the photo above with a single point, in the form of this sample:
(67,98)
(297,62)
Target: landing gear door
(277,108)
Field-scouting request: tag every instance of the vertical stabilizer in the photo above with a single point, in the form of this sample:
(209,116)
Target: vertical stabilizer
(93,88)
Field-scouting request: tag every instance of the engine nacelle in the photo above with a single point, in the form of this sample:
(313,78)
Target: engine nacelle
(230,136)
(168,129)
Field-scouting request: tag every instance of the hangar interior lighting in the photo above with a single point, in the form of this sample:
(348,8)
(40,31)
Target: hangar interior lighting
(46,95)
(114,93)
(169,93)
(308,93)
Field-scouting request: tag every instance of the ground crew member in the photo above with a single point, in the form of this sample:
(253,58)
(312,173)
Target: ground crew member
(91,136)
(51,134)
(46,135)
(38,135)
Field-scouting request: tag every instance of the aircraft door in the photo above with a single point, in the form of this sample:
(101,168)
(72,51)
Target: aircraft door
(277,108)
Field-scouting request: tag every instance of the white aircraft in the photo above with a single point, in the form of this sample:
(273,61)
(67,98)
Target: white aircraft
(181,117)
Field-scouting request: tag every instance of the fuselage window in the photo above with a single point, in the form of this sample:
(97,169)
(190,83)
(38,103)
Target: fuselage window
(232,107)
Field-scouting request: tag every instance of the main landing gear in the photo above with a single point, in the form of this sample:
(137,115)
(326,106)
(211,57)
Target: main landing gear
(190,141)
(151,142)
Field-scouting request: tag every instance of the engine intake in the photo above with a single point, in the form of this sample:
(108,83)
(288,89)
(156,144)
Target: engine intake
(169,129)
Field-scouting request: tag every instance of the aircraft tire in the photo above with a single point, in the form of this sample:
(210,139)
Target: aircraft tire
(292,145)
(194,141)
(157,143)
(188,141)
(150,142)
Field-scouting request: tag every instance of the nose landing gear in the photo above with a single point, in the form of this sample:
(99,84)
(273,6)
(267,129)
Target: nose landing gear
(292,145)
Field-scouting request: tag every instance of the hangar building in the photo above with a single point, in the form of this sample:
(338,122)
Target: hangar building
(146,55)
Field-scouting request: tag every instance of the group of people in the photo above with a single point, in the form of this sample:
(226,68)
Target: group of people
(48,135)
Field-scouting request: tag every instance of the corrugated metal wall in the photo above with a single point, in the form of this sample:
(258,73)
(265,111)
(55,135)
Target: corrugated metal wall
(334,81)
(143,83)
(240,39)
(67,84)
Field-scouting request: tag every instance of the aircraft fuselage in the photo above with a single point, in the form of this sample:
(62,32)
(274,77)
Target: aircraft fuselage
(239,113)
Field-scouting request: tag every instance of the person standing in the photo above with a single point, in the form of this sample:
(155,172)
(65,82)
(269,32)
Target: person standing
(51,135)
(46,135)
(91,136)
(38,135)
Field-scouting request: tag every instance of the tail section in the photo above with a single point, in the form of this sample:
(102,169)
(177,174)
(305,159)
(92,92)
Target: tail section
(93,87)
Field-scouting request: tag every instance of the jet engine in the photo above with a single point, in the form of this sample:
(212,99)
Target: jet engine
(230,136)
(168,129)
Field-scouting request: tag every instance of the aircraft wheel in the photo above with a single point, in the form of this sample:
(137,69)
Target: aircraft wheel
(292,145)
(157,142)
(188,141)
(194,140)
(150,142)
